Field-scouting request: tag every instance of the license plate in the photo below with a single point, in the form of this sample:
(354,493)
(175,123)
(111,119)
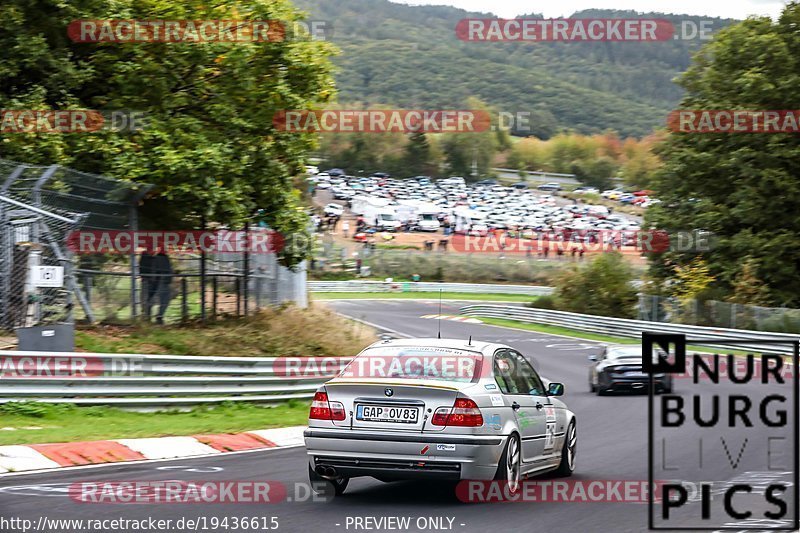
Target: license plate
(387,413)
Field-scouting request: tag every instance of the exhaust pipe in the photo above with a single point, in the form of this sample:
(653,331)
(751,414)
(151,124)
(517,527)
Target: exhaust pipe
(326,471)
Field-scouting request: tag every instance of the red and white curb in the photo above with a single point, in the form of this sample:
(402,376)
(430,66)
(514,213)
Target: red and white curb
(20,458)
(465,319)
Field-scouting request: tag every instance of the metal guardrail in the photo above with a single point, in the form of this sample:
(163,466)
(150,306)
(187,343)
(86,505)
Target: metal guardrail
(153,381)
(623,327)
(422,286)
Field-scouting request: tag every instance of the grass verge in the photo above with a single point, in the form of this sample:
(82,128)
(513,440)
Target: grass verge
(271,332)
(422,296)
(558,330)
(44,423)
(583,335)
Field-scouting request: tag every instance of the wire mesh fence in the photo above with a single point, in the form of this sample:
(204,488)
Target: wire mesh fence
(719,314)
(441,265)
(44,208)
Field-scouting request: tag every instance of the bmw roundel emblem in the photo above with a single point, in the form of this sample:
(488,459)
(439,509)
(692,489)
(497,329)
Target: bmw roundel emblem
(388,391)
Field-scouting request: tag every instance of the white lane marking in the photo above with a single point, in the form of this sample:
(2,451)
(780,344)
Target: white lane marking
(571,346)
(41,489)
(185,468)
(464,319)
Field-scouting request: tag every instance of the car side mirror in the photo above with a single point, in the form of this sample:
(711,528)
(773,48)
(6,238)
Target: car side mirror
(555,389)
(592,358)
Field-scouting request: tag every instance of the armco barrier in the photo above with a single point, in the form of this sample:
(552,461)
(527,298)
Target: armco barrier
(623,327)
(422,286)
(153,381)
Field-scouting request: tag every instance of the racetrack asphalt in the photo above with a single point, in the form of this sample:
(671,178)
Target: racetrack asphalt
(613,445)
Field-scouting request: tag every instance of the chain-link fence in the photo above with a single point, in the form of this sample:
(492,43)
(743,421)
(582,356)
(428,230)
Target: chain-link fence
(439,264)
(35,265)
(42,208)
(719,314)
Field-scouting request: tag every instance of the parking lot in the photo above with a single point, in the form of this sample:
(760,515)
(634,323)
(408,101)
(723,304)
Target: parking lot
(415,211)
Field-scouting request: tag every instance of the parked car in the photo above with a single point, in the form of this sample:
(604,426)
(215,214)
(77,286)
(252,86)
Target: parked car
(587,190)
(334,210)
(552,186)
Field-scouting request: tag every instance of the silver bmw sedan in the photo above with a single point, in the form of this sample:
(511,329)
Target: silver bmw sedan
(439,409)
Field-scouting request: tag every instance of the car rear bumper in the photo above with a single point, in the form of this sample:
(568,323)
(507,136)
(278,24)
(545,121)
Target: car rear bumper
(624,383)
(387,455)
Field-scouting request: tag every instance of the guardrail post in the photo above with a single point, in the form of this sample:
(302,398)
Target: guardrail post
(214,298)
(184,303)
(238,289)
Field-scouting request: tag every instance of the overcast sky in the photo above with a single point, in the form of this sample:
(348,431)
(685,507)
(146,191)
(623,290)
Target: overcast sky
(737,9)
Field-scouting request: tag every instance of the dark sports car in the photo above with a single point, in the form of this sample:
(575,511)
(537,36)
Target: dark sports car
(619,368)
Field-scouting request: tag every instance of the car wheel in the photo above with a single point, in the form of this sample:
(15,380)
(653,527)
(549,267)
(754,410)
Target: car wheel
(327,487)
(508,469)
(567,465)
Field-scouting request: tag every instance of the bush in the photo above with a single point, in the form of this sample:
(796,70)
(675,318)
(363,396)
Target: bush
(543,302)
(601,288)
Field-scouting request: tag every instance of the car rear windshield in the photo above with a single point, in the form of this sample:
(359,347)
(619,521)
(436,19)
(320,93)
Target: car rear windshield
(415,362)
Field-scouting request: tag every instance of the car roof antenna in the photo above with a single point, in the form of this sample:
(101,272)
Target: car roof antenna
(439,317)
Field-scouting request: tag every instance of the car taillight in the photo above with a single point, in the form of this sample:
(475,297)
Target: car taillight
(464,412)
(322,409)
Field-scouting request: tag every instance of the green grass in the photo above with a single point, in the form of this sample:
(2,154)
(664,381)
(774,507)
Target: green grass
(423,296)
(558,330)
(568,332)
(66,423)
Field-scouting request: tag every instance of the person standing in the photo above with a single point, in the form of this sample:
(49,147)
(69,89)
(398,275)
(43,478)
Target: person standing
(346,229)
(162,269)
(149,282)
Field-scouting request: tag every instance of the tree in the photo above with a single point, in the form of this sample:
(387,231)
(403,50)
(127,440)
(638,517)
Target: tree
(417,156)
(595,172)
(742,187)
(747,286)
(471,154)
(209,144)
(691,281)
(601,288)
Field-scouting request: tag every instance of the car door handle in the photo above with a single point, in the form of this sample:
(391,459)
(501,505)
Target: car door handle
(539,406)
(515,406)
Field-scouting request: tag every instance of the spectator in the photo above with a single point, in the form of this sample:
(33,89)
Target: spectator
(149,284)
(162,269)
(346,229)
(415,278)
